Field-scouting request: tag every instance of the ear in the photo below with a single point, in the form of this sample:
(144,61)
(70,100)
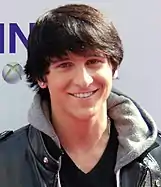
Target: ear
(42,84)
(115,75)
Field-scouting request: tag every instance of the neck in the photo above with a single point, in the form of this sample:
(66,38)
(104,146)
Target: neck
(81,135)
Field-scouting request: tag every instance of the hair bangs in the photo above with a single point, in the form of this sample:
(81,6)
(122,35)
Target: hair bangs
(69,34)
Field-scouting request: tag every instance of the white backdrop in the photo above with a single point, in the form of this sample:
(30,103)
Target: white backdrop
(139,25)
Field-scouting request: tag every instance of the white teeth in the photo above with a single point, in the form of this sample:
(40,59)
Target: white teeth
(83,95)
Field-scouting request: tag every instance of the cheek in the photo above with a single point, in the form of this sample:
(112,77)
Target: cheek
(56,84)
(105,81)
(104,76)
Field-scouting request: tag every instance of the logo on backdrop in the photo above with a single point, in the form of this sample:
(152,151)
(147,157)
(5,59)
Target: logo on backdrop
(13,72)
(14,32)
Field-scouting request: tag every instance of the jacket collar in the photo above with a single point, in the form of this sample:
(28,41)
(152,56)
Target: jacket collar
(45,149)
(136,129)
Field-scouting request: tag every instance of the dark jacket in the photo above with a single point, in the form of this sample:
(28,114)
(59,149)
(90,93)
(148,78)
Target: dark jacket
(25,161)
(31,156)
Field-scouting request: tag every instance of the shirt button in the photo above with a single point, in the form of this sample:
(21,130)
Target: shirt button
(158,182)
(45,160)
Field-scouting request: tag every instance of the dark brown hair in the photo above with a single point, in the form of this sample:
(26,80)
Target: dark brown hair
(72,27)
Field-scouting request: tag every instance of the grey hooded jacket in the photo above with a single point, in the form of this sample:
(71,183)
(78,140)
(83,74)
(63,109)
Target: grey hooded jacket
(138,158)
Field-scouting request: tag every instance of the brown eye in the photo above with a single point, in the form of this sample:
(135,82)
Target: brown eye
(94,61)
(65,65)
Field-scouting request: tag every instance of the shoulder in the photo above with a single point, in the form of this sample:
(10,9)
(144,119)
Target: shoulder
(14,147)
(11,138)
(15,155)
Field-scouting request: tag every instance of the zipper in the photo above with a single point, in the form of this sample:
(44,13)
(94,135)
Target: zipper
(56,180)
(142,181)
(44,184)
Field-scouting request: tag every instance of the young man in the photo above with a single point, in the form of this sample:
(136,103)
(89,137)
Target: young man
(81,133)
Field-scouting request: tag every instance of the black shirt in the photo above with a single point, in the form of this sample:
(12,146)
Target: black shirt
(102,175)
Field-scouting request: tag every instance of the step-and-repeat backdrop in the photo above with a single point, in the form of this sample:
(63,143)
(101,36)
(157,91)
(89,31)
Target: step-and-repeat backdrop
(139,25)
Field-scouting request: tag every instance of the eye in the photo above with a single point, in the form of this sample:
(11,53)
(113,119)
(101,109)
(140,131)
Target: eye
(94,61)
(65,65)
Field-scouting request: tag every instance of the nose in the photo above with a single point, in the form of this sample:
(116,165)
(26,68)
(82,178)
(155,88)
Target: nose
(83,78)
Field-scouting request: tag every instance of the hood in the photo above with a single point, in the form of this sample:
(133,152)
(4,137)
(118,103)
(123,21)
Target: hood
(136,129)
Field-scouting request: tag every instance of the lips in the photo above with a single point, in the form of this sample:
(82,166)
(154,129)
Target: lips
(84,94)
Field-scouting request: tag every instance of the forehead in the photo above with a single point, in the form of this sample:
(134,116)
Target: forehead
(85,54)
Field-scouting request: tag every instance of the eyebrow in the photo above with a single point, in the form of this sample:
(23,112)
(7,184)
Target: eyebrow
(86,54)
(62,59)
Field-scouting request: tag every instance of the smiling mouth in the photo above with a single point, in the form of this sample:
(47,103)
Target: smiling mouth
(84,95)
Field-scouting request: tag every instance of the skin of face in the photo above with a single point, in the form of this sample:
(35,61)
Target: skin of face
(79,85)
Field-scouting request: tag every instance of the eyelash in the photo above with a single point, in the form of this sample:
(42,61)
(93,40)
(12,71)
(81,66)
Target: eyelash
(94,61)
(65,65)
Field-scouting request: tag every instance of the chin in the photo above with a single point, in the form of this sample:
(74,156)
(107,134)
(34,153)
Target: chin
(85,115)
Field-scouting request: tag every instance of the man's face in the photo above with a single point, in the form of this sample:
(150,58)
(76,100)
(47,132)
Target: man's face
(79,85)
